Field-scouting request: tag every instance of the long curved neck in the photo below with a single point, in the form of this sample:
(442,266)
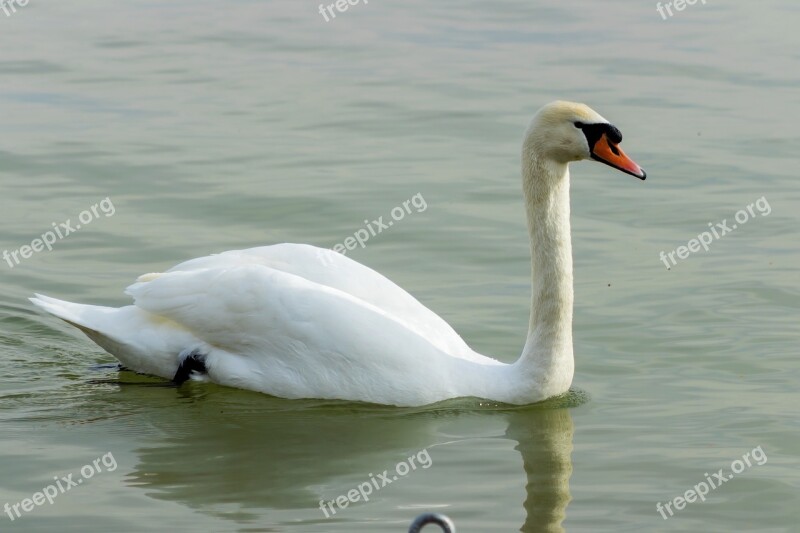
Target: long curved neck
(547,358)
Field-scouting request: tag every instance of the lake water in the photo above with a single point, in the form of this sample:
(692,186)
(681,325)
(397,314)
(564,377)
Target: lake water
(219,125)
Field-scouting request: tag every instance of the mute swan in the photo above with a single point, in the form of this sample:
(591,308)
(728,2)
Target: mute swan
(296,321)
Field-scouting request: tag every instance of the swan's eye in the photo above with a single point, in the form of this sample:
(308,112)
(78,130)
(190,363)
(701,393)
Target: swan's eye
(578,124)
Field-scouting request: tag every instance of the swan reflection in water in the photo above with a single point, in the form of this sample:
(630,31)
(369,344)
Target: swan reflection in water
(227,449)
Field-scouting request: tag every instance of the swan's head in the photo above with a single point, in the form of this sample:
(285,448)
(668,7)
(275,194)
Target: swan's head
(566,131)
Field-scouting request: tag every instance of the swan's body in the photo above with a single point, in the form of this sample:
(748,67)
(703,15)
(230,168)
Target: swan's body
(296,321)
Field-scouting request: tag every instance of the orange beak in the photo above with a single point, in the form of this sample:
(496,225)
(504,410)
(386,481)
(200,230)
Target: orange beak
(611,154)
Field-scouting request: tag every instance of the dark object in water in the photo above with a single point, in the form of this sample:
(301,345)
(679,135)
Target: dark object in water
(432,518)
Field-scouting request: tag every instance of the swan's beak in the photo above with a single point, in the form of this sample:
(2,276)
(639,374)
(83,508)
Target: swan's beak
(612,155)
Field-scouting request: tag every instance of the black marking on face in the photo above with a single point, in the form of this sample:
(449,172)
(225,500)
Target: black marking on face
(593,132)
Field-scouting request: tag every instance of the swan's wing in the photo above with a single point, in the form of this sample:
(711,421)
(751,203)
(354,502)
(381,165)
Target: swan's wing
(336,271)
(274,331)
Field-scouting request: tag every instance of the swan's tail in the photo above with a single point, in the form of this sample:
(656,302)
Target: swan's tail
(127,333)
(93,320)
(69,312)
(79,315)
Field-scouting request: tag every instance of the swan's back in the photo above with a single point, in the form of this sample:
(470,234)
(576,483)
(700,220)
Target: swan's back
(337,271)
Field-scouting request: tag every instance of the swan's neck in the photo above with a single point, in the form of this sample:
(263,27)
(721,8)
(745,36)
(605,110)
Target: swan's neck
(547,357)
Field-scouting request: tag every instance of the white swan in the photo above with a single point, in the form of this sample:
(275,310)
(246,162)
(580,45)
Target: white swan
(296,321)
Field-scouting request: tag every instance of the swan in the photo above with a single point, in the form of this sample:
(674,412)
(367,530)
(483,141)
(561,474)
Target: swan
(296,321)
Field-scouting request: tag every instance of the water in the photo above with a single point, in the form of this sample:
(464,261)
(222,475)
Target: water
(214,126)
